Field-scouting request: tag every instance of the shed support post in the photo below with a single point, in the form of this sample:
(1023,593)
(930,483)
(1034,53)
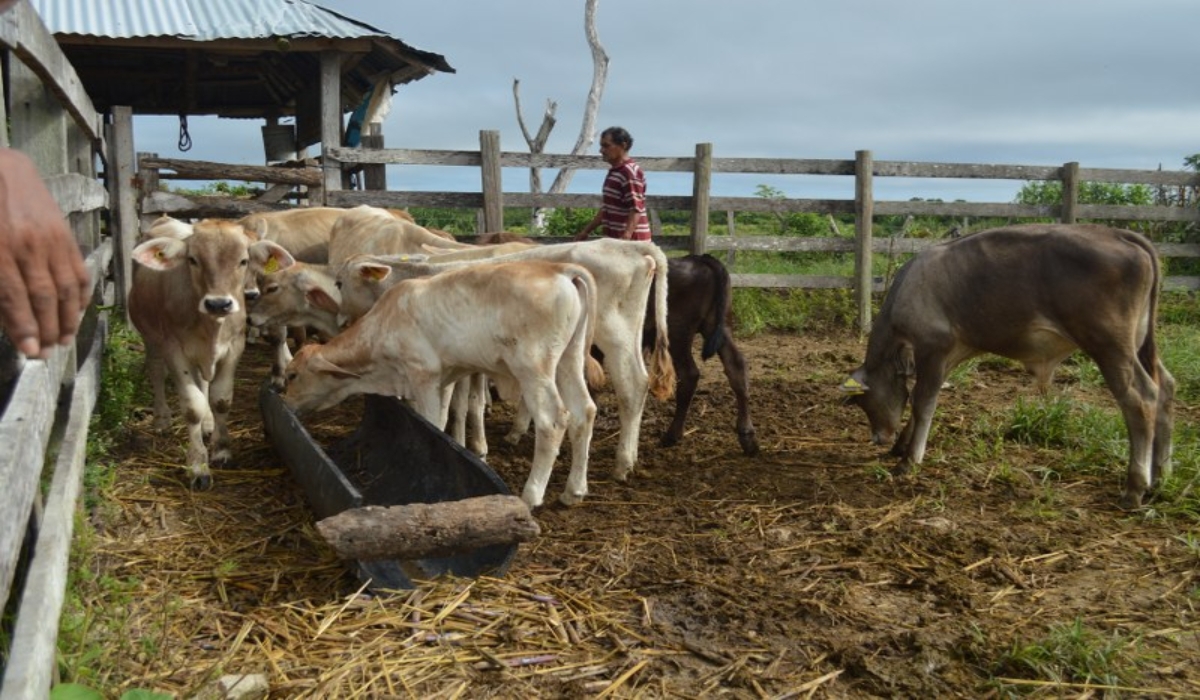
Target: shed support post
(331,123)
(124,200)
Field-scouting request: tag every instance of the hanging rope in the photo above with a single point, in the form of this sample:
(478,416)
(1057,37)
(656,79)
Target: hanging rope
(185,139)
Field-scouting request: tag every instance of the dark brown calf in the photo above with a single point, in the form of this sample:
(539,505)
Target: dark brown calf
(699,300)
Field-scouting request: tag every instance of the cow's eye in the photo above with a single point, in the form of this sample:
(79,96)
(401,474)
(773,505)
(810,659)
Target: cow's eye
(244,262)
(338,284)
(193,261)
(271,289)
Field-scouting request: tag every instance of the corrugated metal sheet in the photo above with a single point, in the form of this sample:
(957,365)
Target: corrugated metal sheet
(201,20)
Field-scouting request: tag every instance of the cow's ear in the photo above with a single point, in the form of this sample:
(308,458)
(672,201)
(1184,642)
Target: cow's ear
(373,272)
(162,253)
(320,364)
(321,299)
(269,256)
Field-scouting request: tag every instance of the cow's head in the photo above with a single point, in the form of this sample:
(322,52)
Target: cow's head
(881,391)
(314,383)
(362,280)
(217,259)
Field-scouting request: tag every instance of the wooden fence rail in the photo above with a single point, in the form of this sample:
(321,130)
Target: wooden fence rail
(491,200)
(42,448)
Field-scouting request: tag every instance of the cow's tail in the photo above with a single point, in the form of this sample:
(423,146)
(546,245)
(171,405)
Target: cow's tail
(662,372)
(1148,352)
(585,284)
(716,337)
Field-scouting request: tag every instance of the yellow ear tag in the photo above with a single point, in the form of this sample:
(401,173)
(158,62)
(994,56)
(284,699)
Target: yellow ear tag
(271,266)
(403,258)
(853,387)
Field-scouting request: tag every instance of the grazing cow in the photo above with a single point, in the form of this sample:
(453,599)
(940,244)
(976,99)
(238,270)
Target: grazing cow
(624,272)
(529,322)
(1035,294)
(699,300)
(187,301)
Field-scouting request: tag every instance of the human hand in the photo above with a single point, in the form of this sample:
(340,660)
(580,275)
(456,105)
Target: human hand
(44,284)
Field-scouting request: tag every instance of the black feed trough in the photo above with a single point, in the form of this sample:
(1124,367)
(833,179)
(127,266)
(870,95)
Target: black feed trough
(397,458)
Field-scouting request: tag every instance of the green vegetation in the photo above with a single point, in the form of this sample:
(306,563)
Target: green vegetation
(1072,657)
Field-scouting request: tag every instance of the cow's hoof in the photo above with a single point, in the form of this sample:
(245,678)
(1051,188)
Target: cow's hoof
(749,443)
(902,468)
(1130,501)
(201,482)
(513,438)
(668,440)
(571,499)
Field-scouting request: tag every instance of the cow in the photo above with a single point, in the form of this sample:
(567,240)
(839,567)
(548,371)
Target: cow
(624,272)
(700,300)
(529,322)
(1034,293)
(300,292)
(187,301)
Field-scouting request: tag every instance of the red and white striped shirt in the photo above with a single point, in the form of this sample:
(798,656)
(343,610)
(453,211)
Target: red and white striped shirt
(624,192)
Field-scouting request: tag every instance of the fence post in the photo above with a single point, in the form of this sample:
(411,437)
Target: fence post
(731,229)
(701,187)
(375,174)
(864,214)
(121,162)
(1070,193)
(493,189)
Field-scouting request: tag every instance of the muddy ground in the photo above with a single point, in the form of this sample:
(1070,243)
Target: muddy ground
(806,571)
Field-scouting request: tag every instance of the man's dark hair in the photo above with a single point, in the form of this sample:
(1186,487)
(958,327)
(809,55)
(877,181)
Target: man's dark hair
(619,136)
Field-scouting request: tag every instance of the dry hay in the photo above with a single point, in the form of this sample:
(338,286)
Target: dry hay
(796,574)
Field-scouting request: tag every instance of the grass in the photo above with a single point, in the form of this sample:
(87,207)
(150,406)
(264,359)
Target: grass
(1074,657)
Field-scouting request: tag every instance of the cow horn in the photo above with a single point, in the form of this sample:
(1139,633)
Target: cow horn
(853,387)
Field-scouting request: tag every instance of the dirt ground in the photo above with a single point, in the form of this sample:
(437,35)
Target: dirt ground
(806,571)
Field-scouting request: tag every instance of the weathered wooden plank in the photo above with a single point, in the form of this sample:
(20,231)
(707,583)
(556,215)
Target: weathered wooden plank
(207,170)
(22,32)
(77,193)
(27,673)
(24,433)
(182,206)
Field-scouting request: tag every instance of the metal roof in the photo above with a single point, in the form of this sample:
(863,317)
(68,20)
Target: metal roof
(232,58)
(199,20)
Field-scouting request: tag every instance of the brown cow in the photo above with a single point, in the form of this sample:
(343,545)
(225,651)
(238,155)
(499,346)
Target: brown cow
(699,300)
(1035,294)
(187,301)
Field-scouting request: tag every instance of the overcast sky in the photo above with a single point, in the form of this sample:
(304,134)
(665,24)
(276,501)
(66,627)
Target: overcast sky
(1107,83)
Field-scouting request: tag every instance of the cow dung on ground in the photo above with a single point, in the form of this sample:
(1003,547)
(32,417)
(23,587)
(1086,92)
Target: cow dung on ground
(806,571)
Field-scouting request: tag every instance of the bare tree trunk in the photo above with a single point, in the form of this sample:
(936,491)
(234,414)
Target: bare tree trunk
(586,130)
(537,144)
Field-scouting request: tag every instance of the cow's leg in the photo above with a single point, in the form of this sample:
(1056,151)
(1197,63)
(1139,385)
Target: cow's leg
(931,371)
(193,400)
(1164,425)
(687,376)
(283,354)
(549,426)
(457,410)
(477,394)
(1138,398)
(220,399)
(156,368)
(630,381)
(430,400)
(734,364)
(581,419)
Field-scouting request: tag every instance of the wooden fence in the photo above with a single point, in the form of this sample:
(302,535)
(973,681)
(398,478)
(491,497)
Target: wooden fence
(45,406)
(491,200)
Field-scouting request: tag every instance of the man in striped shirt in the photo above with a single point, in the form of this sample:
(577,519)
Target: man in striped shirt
(623,210)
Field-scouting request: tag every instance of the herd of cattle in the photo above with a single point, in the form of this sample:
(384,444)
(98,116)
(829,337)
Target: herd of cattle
(407,311)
